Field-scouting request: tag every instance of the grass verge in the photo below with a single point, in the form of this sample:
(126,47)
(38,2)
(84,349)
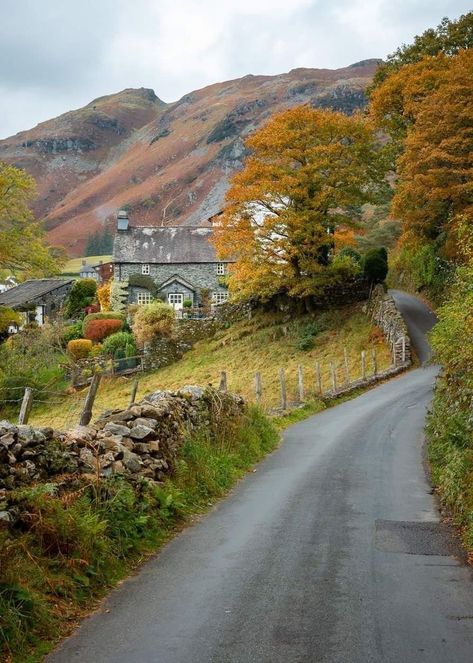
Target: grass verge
(72,542)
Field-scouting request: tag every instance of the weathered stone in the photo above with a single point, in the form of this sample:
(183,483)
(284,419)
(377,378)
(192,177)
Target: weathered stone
(82,433)
(131,461)
(128,443)
(135,410)
(118,467)
(146,421)
(140,432)
(5,519)
(153,446)
(8,439)
(116,429)
(87,458)
(141,448)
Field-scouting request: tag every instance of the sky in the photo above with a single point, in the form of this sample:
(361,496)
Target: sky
(56,55)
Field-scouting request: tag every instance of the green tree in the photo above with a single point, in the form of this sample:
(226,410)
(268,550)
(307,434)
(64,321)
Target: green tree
(448,37)
(22,249)
(81,295)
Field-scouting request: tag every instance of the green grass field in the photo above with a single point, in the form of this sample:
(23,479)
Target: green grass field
(263,344)
(72,266)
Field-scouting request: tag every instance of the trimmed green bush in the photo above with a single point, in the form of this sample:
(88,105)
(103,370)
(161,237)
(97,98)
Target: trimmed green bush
(119,341)
(375,265)
(81,295)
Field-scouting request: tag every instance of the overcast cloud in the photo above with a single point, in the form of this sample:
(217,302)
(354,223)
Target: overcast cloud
(56,55)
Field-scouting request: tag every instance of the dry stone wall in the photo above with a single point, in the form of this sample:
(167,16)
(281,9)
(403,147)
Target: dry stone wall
(383,311)
(143,440)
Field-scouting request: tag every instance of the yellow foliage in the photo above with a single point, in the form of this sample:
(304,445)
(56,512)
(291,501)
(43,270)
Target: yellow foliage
(103,295)
(308,171)
(79,348)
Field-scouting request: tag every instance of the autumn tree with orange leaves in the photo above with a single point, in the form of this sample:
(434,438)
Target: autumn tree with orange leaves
(426,109)
(308,175)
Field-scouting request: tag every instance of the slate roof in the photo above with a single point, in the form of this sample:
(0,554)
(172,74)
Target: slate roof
(164,245)
(29,291)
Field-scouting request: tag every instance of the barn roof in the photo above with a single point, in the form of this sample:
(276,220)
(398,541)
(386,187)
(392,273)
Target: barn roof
(168,244)
(29,291)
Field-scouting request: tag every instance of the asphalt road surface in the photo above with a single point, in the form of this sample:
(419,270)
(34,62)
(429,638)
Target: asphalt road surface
(331,551)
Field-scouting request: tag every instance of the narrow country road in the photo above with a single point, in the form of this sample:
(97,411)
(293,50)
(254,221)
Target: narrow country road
(332,551)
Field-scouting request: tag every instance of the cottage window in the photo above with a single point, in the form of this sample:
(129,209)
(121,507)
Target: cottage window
(220,269)
(143,298)
(145,270)
(219,297)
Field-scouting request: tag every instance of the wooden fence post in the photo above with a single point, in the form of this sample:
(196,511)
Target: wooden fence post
(282,379)
(318,374)
(86,414)
(375,361)
(258,387)
(363,365)
(347,370)
(134,389)
(223,381)
(300,383)
(25,406)
(334,376)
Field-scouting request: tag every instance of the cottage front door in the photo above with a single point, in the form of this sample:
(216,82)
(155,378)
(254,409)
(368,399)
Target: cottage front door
(176,299)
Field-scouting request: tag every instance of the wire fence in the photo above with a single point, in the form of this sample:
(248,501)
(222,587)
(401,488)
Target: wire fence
(272,389)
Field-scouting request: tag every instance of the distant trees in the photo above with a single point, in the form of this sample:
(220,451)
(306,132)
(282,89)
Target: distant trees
(309,173)
(99,243)
(22,247)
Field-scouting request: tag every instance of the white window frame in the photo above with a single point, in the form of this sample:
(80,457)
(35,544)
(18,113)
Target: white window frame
(176,300)
(145,270)
(143,298)
(219,298)
(220,269)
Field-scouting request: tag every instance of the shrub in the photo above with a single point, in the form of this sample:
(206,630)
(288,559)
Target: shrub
(72,332)
(111,315)
(79,348)
(119,341)
(375,265)
(97,330)
(103,295)
(187,303)
(153,321)
(352,253)
(118,295)
(81,295)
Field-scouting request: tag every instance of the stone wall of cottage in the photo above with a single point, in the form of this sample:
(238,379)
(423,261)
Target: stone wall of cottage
(200,275)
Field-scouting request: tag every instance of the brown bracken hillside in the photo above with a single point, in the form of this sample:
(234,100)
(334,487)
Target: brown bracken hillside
(167,163)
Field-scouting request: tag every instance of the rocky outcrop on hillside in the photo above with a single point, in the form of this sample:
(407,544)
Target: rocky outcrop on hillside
(168,163)
(142,441)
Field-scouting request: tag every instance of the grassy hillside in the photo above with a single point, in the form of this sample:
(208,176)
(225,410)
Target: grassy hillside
(265,343)
(73,266)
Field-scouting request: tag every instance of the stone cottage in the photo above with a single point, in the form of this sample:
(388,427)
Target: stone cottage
(37,299)
(175,263)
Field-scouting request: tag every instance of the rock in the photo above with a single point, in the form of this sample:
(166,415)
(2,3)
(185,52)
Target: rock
(82,434)
(5,519)
(47,431)
(146,421)
(192,390)
(141,448)
(7,427)
(87,459)
(140,432)
(128,443)
(153,446)
(131,461)
(118,467)
(7,440)
(116,429)
(135,410)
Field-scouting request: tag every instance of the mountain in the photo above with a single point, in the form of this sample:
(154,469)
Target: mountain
(168,164)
